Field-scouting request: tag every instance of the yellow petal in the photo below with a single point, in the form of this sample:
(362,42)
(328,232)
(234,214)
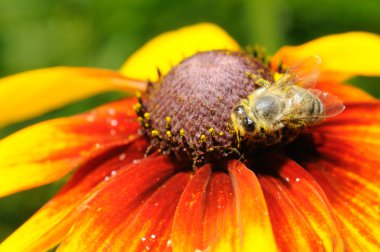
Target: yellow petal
(169,48)
(51,223)
(34,92)
(343,55)
(45,152)
(36,234)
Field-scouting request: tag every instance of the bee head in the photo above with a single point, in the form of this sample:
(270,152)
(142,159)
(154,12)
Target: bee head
(241,119)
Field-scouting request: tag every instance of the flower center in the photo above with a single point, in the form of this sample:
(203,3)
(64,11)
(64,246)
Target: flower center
(188,111)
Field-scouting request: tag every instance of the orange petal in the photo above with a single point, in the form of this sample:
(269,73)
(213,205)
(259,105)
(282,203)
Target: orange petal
(252,213)
(346,93)
(299,210)
(47,151)
(36,235)
(343,55)
(126,205)
(168,49)
(222,212)
(360,122)
(50,224)
(343,157)
(34,92)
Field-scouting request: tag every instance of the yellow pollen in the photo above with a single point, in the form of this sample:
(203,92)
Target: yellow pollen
(155,133)
(137,107)
(169,133)
(212,132)
(168,121)
(147,115)
(203,138)
(182,132)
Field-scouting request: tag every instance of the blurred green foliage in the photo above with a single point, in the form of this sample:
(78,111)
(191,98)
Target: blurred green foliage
(102,33)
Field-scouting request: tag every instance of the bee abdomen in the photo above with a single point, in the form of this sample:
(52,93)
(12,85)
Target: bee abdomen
(316,109)
(312,109)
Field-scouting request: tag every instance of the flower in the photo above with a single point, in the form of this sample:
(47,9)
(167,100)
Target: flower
(318,193)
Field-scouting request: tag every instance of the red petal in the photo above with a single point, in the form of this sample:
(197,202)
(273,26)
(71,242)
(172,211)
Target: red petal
(343,156)
(151,225)
(222,212)
(51,223)
(187,228)
(47,151)
(299,210)
(116,203)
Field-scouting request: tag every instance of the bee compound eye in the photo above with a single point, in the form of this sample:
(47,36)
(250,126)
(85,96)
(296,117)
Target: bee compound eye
(239,110)
(248,124)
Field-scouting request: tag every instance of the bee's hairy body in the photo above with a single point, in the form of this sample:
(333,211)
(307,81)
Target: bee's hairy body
(276,117)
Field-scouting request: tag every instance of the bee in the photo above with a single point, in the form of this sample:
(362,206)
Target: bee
(278,112)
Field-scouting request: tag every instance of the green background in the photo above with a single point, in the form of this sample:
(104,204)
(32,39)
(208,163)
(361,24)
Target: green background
(102,33)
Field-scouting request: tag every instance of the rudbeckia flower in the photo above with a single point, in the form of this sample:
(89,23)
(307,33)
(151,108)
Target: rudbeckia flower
(320,192)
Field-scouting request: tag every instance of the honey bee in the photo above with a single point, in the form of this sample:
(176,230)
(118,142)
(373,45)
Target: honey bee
(276,113)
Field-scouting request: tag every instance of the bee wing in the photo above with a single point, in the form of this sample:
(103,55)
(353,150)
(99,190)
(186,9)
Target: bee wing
(304,74)
(332,104)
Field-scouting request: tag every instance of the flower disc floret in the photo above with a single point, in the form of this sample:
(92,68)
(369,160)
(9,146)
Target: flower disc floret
(188,111)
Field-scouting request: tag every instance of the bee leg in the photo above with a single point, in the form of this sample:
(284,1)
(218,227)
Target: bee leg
(238,139)
(237,152)
(236,133)
(262,83)
(197,162)
(227,151)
